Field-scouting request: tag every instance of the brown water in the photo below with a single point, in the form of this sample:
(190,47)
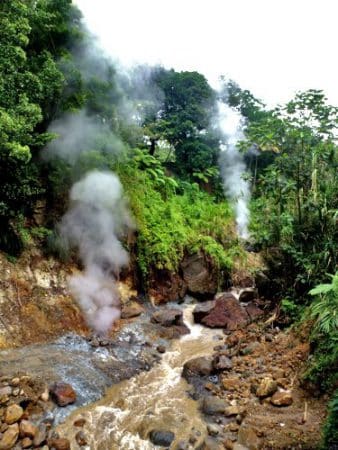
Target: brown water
(156,399)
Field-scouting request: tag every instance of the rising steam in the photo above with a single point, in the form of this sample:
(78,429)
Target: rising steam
(233,168)
(94,224)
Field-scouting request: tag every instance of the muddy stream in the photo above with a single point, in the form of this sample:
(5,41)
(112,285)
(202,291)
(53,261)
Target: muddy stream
(153,400)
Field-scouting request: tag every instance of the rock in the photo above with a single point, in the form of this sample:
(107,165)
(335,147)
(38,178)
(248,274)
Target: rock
(15,381)
(81,438)
(247,294)
(13,414)
(212,444)
(182,445)
(168,317)
(213,405)
(161,348)
(249,348)
(234,427)
(5,391)
(162,438)
(59,444)
(132,309)
(27,429)
(165,286)
(237,446)
(248,437)
(233,411)
(228,444)
(79,422)
(213,430)
(227,313)
(282,398)
(198,366)
(45,395)
(231,384)
(267,387)
(26,442)
(254,312)
(9,437)
(40,436)
(221,362)
(203,309)
(63,394)
(200,274)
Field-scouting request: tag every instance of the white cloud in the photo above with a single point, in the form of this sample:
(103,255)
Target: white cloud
(271,47)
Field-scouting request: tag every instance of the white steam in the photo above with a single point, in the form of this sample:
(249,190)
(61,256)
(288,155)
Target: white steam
(78,134)
(94,224)
(233,168)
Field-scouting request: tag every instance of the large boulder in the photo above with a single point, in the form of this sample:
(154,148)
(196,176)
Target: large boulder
(226,313)
(200,274)
(165,286)
(167,317)
(162,438)
(198,366)
(202,310)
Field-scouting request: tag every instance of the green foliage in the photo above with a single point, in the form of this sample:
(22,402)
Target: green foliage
(330,431)
(171,225)
(30,86)
(291,309)
(324,336)
(298,192)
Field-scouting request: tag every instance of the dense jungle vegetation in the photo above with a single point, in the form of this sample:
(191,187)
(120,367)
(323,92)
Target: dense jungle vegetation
(155,128)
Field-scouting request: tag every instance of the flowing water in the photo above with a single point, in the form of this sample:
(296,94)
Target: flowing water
(156,399)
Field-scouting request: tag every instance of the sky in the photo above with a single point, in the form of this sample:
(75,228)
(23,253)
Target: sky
(271,47)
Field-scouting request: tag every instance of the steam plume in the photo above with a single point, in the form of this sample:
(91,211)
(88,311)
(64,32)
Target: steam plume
(94,225)
(233,168)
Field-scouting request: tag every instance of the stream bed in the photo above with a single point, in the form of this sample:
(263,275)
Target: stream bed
(153,400)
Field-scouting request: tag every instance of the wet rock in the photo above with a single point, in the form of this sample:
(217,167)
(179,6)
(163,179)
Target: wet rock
(198,366)
(80,438)
(282,398)
(202,310)
(267,387)
(79,422)
(227,313)
(168,317)
(27,429)
(63,394)
(161,348)
(59,444)
(247,294)
(162,438)
(132,309)
(13,414)
(248,437)
(221,362)
(213,405)
(9,437)
(199,274)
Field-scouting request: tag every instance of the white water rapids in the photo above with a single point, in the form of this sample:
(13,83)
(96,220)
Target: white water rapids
(157,399)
